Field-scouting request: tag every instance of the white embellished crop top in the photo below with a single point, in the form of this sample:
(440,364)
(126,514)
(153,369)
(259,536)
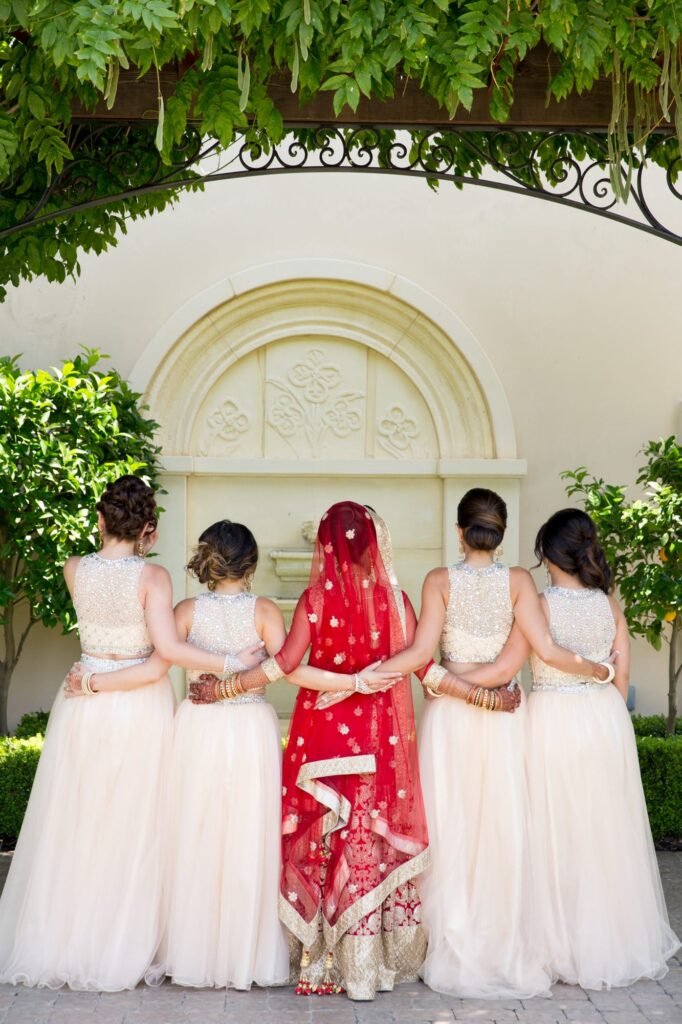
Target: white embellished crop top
(581,620)
(479,615)
(225,624)
(110,616)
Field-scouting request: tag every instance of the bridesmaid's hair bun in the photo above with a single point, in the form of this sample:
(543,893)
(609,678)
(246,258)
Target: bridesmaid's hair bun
(482,516)
(226,551)
(128,506)
(569,540)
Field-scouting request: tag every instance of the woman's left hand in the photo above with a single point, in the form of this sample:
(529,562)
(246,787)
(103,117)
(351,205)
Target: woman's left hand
(376,680)
(203,691)
(72,683)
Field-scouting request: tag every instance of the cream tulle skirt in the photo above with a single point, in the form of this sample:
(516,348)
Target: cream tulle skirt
(479,907)
(604,916)
(223,845)
(81,906)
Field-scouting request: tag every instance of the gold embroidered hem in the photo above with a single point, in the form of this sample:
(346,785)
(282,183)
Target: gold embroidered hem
(271,669)
(370,962)
(308,932)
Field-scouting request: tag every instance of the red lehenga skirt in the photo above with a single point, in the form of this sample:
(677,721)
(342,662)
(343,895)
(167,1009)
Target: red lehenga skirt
(354,840)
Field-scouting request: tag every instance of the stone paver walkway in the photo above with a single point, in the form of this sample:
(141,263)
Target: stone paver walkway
(647,1002)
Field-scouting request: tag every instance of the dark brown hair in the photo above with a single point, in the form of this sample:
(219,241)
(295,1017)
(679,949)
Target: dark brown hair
(482,516)
(569,540)
(128,506)
(226,551)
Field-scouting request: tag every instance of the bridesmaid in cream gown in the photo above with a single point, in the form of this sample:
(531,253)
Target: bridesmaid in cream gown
(82,903)
(222,828)
(604,920)
(480,908)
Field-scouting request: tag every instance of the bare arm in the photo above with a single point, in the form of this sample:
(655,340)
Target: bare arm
(429,628)
(621,644)
(533,623)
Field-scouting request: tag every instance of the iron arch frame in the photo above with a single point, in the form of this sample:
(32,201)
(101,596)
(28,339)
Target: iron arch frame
(434,154)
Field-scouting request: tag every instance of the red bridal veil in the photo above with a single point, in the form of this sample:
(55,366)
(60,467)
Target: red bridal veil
(354,828)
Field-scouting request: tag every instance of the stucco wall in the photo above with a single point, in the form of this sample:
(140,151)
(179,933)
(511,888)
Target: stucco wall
(579,318)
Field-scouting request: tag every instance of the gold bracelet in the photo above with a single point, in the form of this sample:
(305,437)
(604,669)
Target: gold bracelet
(238,686)
(272,670)
(479,697)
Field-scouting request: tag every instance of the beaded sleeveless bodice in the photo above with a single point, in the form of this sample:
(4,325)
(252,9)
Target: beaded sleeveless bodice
(582,621)
(225,624)
(110,616)
(479,615)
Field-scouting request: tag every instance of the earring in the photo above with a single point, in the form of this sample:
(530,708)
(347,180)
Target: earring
(549,578)
(248,582)
(498,553)
(101,536)
(139,548)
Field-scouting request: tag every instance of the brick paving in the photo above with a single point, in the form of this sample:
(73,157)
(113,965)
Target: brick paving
(647,1002)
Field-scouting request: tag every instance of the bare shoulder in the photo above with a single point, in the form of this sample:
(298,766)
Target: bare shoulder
(438,579)
(185,607)
(155,575)
(520,578)
(69,569)
(267,609)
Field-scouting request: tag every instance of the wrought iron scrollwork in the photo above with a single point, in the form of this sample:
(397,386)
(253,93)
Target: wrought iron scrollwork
(572,168)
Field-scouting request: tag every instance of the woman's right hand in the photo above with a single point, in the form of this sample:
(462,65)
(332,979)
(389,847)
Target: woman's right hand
(377,680)
(252,656)
(510,698)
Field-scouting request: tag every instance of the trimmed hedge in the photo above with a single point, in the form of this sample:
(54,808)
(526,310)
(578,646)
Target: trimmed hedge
(660,760)
(32,724)
(18,763)
(653,725)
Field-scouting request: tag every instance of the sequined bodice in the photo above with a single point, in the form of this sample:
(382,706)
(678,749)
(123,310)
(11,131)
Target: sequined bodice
(110,617)
(225,624)
(479,615)
(582,621)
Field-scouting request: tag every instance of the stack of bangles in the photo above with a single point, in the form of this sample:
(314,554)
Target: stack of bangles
(489,700)
(86,685)
(229,688)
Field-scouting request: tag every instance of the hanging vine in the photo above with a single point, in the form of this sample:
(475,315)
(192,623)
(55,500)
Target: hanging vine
(57,53)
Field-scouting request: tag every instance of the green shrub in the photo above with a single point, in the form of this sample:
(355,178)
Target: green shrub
(18,763)
(34,723)
(660,761)
(653,725)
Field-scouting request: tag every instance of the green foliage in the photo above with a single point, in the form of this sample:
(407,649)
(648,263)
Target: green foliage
(653,725)
(33,723)
(642,539)
(18,764)
(54,53)
(660,762)
(63,436)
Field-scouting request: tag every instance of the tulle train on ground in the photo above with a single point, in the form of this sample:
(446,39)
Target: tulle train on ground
(223,850)
(81,906)
(604,917)
(479,909)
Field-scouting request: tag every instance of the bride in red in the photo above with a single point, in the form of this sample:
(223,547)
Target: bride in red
(353,824)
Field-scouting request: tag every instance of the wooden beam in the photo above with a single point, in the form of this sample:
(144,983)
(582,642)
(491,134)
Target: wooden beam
(136,100)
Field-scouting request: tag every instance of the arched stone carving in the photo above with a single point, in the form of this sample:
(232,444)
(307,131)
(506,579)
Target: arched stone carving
(315,369)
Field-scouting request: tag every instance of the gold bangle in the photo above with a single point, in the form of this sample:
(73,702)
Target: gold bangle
(238,686)
(433,678)
(272,670)
(479,697)
(434,693)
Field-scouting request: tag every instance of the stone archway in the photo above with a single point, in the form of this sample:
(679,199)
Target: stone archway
(292,393)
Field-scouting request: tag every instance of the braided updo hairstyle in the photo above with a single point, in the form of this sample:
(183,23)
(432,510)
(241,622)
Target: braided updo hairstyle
(225,551)
(569,540)
(128,506)
(482,517)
